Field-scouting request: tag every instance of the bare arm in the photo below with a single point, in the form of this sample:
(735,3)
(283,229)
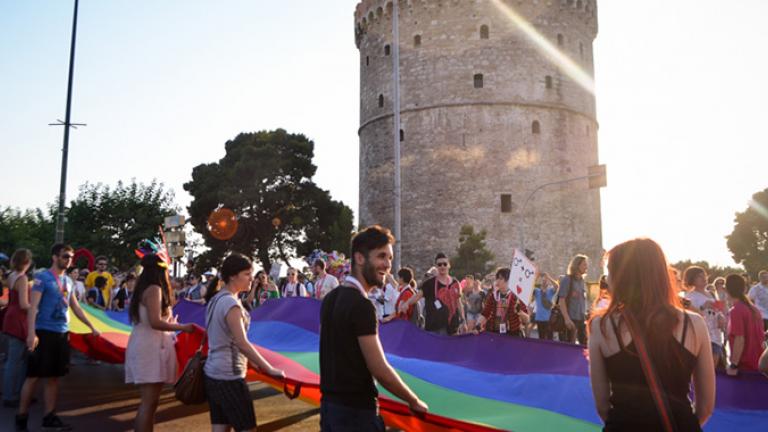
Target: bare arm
(235,325)
(411,301)
(598,376)
(152,300)
(384,374)
(703,372)
(78,311)
(34,300)
(23,289)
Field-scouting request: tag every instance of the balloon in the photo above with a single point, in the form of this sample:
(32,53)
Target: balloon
(222,224)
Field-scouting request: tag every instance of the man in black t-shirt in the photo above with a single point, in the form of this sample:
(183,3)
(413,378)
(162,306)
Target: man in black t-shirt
(351,356)
(443,312)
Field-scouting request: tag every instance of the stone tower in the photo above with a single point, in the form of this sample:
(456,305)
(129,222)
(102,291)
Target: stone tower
(487,117)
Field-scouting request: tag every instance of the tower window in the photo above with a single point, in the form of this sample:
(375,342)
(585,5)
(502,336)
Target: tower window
(367,61)
(578,4)
(560,39)
(581,50)
(587,130)
(417,41)
(478,81)
(535,127)
(402,135)
(386,50)
(548,81)
(484,32)
(506,203)
(381,101)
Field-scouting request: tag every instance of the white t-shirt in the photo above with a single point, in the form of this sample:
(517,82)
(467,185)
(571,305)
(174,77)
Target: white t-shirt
(294,290)
(709,314)
(79,288)
(390,299)
(759,296)
(324,285)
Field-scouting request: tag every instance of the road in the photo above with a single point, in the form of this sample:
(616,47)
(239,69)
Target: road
(94,398)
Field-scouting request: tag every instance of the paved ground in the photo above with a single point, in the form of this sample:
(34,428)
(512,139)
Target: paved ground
(94,398)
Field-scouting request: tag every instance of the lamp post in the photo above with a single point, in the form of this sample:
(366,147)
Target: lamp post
(396,131)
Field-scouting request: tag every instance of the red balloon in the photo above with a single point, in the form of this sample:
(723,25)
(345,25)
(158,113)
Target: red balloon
(222,224)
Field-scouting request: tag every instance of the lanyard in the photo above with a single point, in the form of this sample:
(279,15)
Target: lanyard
(357,284)
(62,288)
(319,286)
(450,282)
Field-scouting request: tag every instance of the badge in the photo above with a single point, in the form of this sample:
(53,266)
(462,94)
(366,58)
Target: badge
(438,304)
(503,328)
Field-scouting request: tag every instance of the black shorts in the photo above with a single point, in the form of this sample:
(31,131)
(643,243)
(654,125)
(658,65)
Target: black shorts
(231,403)
(51,357)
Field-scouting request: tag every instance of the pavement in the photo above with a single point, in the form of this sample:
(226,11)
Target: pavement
(94,397)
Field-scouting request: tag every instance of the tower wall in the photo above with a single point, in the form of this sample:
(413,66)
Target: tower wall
(464,147)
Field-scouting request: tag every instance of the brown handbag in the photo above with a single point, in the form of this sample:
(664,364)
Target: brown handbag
(190,387)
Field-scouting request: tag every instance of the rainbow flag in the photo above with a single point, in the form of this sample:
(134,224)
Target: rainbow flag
(471,383)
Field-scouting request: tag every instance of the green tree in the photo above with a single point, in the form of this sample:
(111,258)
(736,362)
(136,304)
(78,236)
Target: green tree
(30,229)
(111,221)
(472,256)
(748,242)
(712,271)
(265,178)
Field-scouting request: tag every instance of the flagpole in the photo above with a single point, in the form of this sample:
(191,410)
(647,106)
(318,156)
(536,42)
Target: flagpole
(396,131)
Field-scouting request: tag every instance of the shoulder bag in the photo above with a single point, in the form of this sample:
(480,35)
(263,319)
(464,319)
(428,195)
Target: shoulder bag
(190,387)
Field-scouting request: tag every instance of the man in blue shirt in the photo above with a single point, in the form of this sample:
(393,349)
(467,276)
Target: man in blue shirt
(48,337)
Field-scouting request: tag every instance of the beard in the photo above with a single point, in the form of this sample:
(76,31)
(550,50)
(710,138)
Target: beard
(371,276)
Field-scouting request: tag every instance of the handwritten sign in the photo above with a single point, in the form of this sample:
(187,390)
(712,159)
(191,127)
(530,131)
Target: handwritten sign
(522,276)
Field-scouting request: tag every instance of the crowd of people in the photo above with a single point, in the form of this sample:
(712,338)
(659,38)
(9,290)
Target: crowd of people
(690,324)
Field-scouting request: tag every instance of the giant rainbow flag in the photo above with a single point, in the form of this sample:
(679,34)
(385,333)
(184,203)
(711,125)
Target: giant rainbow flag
(471,383)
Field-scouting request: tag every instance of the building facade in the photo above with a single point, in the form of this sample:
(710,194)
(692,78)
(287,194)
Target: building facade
(486,118)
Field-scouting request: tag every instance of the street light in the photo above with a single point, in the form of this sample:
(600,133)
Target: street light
(597,176)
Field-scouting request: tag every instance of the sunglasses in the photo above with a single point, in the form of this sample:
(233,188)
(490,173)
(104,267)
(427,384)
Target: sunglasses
(66,256)
(442,264)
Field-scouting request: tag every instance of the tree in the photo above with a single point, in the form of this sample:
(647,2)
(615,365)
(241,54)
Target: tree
(112,221)
(712,271)
(30,229)
(472,256)
(748,242)
(265,178)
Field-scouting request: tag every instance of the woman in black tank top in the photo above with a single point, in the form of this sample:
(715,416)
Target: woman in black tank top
(677,344)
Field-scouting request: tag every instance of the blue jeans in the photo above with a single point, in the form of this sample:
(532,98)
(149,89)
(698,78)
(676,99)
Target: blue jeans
(15,371)
(340,418)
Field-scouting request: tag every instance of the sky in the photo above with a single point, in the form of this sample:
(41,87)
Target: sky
(681,100)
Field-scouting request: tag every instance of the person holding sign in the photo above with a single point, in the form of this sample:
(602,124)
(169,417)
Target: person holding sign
(503,312)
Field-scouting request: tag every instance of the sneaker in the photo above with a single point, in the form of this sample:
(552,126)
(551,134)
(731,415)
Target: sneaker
(21,422)
(52,423)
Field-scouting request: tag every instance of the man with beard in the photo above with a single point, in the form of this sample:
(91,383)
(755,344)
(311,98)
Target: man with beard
(351,356)
(444,313)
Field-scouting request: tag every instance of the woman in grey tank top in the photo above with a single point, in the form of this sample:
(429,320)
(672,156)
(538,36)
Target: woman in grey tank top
(229,350)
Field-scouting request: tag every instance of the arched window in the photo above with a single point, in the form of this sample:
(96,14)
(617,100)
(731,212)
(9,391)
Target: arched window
(535,127)
(484,32)
(402,135)
(386,50)
(417,41)
(560,39)
(478,81)
(381,101)
(548,81)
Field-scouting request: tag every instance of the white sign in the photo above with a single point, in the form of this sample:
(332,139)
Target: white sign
(274,272)
(522,276)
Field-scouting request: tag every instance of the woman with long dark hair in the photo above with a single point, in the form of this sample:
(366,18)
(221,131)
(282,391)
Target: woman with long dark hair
(745,327)
(150,358)
(229,351)
(644,311)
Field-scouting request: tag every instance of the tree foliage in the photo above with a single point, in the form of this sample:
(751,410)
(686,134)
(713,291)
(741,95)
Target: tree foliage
(265,178)
(472,256)
(29,229)
(111,221)
(748,242)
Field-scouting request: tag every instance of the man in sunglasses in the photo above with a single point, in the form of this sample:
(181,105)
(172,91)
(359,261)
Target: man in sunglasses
(444,313)
(48,337)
